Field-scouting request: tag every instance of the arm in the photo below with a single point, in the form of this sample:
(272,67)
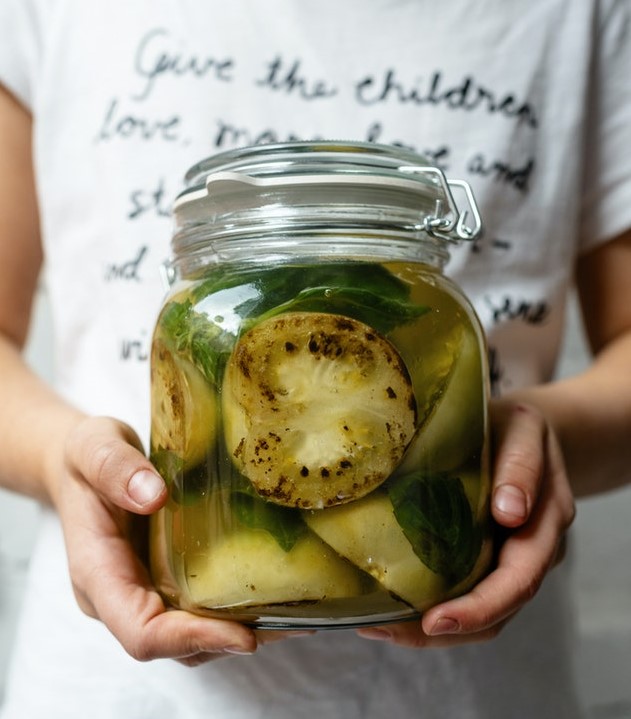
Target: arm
(92,470)
(30,411)
(591,413)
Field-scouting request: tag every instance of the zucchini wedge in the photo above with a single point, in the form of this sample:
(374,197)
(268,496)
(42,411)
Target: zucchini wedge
(455,427)
(318,408)
(367,534)
(249,568)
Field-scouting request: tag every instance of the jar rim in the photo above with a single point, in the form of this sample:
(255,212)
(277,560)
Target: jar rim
(334,157)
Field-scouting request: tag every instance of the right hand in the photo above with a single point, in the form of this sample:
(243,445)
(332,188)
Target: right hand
(533,504)
(106,481)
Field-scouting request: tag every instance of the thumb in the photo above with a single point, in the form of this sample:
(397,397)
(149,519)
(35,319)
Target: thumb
(108,455)
(520,433)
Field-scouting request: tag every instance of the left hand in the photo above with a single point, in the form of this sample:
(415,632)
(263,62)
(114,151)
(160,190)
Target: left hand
(532,500)
(99,508)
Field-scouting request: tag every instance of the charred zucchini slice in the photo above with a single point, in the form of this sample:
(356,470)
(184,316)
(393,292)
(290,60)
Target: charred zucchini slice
(318,408)
(184,409)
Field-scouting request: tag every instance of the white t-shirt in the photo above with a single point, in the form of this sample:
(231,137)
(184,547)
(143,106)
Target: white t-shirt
(529,101)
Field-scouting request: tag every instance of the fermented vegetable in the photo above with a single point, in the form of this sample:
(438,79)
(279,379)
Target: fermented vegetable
(318,408)
(248,567)
(454,426)
(184,408)
(369,535)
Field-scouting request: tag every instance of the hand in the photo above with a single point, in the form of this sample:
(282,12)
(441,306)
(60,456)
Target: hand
(107,481)
(532,499)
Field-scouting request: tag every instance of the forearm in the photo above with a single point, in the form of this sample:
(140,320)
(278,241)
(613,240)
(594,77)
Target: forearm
(34,423)
(591,414)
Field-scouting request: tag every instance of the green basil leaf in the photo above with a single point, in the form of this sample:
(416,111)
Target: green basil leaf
(379,312)
(194,335)
(340,287)
(185,487)
(169,465)
(436,517)
(285,525)
(196,328)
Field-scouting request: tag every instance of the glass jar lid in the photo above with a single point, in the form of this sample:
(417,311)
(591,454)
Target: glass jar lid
(302,187)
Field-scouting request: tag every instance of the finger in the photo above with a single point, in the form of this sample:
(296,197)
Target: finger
(196,660)
(270,636)
(145,628)
(528,453)
(186,637)
(264,636)
(148,631)
(519,463)
(412,636)
(524,560)
(113,585)
(108,455)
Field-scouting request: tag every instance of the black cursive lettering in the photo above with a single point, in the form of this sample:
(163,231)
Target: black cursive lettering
(133,350)
(228,135)
(119,124)
(291,79)
(468,95)
(129,270)
(154,58)
(510,308)
(376,133)
(517,177)
(144,201)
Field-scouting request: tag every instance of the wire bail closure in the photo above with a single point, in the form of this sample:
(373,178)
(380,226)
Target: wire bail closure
(452,224)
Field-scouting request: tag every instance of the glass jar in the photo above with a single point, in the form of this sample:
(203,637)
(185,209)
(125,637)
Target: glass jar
(319,391)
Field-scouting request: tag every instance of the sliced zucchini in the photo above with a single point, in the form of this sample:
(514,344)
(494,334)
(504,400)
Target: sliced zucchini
(318,408)
(367,533)
(455,427)
(249,568)
(183,407)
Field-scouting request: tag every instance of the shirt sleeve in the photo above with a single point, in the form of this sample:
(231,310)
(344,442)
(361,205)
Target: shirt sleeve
(606,206)
(19,49)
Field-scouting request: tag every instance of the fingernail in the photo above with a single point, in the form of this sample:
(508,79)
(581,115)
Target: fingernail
(511,500)
(445,625)
(377,635)
(241,651)
(145,487)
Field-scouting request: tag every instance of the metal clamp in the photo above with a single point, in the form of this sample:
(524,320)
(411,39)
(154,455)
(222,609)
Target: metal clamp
(452,224)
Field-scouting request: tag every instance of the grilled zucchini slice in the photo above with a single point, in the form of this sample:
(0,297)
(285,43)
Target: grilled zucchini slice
(184,409)
(318,408)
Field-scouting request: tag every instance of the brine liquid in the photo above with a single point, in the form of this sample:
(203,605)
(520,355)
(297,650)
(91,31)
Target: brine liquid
(222,549)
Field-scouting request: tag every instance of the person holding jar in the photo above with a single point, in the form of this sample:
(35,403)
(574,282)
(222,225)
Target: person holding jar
(103,108)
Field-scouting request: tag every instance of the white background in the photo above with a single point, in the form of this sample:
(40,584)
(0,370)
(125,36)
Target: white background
(601,573)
